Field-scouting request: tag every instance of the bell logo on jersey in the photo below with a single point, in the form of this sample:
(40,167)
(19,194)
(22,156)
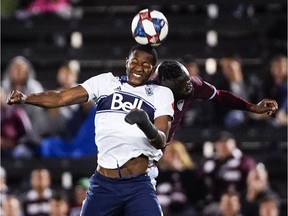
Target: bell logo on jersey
(118,104)
(123,102)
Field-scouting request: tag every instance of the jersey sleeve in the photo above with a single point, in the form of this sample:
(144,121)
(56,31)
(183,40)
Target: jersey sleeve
(203,90)
(164,102)
(95,84)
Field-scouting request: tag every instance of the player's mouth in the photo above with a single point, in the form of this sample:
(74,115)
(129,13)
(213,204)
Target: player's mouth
(136,75)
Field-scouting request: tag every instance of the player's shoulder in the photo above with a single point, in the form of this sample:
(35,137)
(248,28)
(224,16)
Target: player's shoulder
(196,80)
(105,77)
(200,83)
(156,85)
(160,88)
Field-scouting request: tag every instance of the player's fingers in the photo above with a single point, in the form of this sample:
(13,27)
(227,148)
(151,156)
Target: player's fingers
(16,97)
(269,113)
(272,103)
(10,96)
(275,104)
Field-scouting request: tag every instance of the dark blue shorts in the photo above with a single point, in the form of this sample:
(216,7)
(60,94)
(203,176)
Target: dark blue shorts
(133,195)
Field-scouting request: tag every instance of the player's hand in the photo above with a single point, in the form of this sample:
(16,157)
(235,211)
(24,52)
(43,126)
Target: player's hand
(267,106)
(16,97)
(140,117)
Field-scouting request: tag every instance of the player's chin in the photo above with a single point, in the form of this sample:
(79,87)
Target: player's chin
(136,81)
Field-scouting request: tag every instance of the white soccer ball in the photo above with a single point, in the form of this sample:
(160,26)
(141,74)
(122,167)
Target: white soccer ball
(149,27)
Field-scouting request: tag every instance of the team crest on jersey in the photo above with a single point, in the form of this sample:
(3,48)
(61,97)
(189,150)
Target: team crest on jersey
(148,90)
(180,104)
(118,88)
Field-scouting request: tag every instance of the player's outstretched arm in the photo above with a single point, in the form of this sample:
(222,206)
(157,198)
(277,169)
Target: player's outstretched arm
(267,106)
(50,99)
(157,134)
(227,99)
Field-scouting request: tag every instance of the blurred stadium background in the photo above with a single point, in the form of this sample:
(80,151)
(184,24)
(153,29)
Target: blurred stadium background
(98,35)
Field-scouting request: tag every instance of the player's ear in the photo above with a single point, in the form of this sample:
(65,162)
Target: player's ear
(152,75)
(127,61)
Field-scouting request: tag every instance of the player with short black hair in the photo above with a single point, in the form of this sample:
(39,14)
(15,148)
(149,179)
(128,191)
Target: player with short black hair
(132,124)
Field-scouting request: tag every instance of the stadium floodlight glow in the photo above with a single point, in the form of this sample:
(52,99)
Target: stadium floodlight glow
(74,65)
(211,66)
(76,39)
(212,38)
(212,11)
(208,149)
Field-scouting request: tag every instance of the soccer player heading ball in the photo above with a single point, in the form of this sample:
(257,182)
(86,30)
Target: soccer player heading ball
(131,126)
(186,89)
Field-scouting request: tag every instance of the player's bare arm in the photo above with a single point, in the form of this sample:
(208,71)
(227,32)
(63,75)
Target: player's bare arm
(50,99)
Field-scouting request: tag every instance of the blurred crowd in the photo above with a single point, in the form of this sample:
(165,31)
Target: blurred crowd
(29,131)
(226,181)
(39,198)
(269,83)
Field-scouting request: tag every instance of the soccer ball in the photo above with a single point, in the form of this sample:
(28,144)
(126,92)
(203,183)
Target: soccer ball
(149,27)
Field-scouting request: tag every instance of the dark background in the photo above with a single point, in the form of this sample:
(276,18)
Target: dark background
(105,26)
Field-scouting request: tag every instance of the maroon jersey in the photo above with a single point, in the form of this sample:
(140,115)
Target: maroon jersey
(205,91)
(221,175)
(14,123)
(202,90)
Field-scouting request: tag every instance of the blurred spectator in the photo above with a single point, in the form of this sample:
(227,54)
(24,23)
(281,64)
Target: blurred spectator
(229,205)
(59,205)
(15,127)
(67,77)
(276,88)
(36,200)
(276,165)
(69,136)
(269,206)
(190,63)
(80,189)
(258,188)
(78,140)
(12,206)
(3,188)
(19,74)
(62,8)
(227,169)
(178,187)
(231,80)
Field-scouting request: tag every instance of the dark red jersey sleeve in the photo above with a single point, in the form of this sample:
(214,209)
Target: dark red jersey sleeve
(206,91)
(227,99)
(202,89)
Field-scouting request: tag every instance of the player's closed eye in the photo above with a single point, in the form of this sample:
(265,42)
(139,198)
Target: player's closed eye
(146,66)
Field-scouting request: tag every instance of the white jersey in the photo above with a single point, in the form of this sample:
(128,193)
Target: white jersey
(116,140)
